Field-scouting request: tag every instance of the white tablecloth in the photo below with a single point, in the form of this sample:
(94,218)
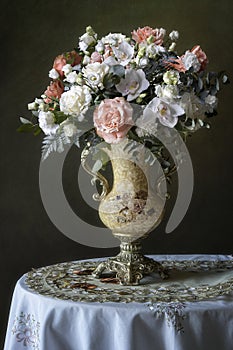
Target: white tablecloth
(43,323)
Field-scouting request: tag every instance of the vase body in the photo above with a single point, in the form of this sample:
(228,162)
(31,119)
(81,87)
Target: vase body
(132,208)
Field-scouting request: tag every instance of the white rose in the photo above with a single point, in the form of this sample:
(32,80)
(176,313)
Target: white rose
(47,122)
(76,100)
(133,84)
(190,60)
(53,74)
(95,73)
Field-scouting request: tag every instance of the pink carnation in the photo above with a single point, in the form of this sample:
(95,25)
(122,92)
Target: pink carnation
(113,119)
(142,34)
(177,64)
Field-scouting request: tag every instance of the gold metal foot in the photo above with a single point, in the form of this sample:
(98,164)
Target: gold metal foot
(130,265)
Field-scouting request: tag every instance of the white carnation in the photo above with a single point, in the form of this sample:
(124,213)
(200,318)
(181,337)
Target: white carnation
(153,50)
(47,122)
(174,35)
(76,100)
(113,39)
(67,68)
(190,60)
(95,73)
(69,128)
(53,74)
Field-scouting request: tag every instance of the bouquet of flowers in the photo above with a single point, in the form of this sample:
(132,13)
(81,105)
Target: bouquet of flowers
(118,87)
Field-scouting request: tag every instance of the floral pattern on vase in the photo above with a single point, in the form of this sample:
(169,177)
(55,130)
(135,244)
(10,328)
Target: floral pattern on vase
(132,208)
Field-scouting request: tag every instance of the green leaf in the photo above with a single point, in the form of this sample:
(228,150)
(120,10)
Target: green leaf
(25,121)
(59,116)
(225,79)
(118,70)
(54,143)
(26,128)
(35,113)
(37,130)
(110,80)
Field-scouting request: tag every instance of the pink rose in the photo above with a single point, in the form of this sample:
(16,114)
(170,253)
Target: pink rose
(96,57)
(201,56)
(54,90)
(69,57)
(142,34)
(113,119)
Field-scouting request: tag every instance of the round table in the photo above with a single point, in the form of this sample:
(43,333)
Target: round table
(68,314)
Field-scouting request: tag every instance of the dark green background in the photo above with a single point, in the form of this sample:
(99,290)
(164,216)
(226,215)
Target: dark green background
(33,33)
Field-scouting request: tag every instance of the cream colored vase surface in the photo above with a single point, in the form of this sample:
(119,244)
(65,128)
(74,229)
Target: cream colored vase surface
(131,209)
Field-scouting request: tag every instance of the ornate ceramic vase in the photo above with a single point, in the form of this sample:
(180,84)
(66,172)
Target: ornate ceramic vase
(131,210)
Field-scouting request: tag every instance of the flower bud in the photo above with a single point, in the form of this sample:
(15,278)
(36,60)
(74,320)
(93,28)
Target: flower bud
(172,47)
(90,31)
(32,106)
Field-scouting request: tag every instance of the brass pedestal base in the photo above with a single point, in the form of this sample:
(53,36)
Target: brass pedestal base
(130,265)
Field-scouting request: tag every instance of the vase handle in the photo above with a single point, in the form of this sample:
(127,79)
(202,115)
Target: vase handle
(96,176)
